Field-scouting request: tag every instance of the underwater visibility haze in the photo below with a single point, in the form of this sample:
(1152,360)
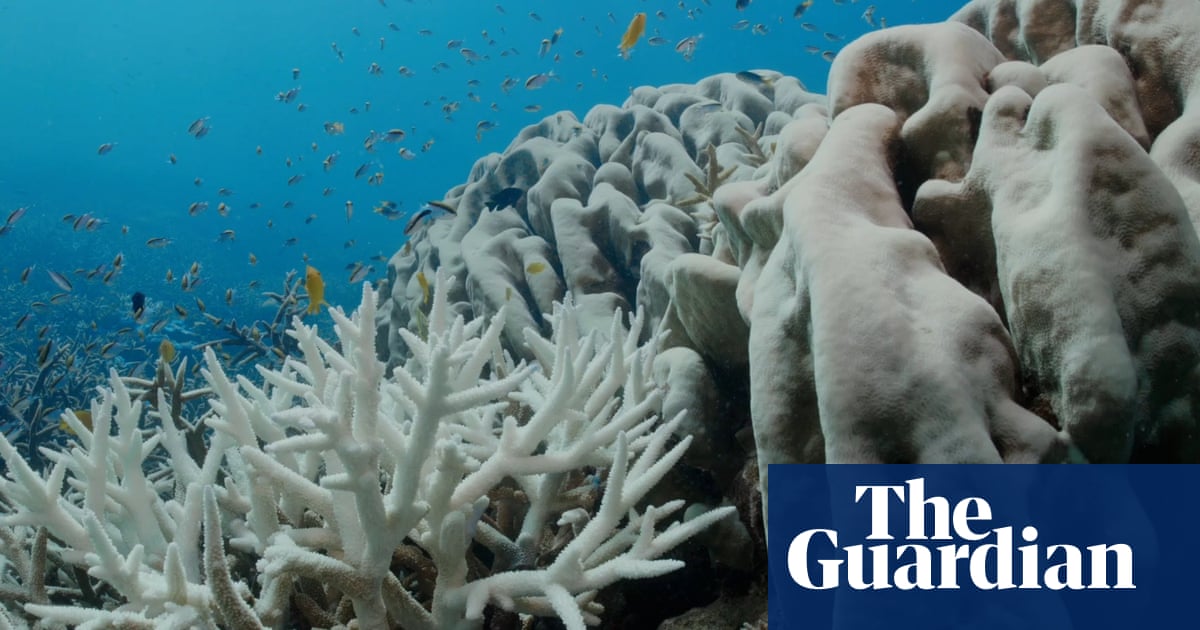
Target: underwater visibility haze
(211,148)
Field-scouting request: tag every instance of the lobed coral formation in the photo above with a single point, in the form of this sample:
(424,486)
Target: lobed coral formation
(980,246)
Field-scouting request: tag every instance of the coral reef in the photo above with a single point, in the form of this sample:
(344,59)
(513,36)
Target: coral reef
(980,246)
(459,483)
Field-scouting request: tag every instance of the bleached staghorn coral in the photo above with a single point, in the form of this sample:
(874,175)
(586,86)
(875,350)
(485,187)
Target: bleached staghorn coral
(331,474)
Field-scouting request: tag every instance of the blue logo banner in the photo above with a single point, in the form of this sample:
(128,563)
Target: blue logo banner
(857,547)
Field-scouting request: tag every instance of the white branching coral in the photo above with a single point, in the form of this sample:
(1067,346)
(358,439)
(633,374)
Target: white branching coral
(335,491)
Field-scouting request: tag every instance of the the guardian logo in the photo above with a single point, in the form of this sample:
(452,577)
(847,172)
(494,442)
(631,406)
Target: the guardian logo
(947,547)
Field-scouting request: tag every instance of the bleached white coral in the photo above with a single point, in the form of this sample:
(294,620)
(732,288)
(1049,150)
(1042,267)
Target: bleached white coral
(361,494)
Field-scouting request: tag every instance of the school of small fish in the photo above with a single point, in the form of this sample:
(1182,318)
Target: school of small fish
(477,52)
(658,36)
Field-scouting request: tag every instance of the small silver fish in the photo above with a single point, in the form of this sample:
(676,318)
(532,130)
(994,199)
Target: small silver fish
(283,97)
(416,219)
(538,80)
(482,126)
(59,280)
(868,16)
(687,46)
(15,215)
(198,125)
(360,273)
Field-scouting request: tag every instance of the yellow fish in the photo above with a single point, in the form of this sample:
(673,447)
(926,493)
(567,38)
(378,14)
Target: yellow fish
(535,267)
(84,416)
(166,350)
(316,289)
(424,282)
(637,26)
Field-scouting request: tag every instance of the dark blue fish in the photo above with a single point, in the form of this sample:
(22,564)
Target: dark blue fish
(741,4)
(504,198)
(139,304)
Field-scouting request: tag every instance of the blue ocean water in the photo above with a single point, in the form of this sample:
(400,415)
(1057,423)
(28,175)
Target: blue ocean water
(136,74)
